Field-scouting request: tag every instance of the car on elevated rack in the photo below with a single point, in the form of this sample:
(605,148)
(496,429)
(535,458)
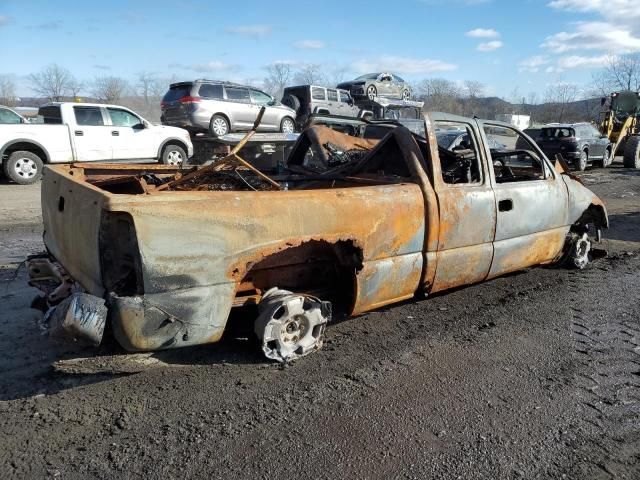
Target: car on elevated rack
(219,108)
(307,100)
(374,85)
(87,132)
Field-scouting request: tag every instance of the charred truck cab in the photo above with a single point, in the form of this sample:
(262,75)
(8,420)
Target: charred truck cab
(165,254)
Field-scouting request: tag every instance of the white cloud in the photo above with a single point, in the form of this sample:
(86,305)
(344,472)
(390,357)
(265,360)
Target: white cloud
(617,29)
(309,44)
(489,46)
(483,33)
(403,65)
(625,11)
(594,36)
(533,64)
(250,30)
(577,61)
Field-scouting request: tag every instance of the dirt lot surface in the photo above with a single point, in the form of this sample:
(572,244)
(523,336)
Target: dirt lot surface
(534,375)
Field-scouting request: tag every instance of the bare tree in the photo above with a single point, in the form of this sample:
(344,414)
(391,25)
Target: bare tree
(337,76)
(619,73)
(557,99)
(278,76)
(53,82)
(7,91)
(473,91)
(145,85)
(75,87)
(160,85)
(109,89)
(311,74)
(440,94)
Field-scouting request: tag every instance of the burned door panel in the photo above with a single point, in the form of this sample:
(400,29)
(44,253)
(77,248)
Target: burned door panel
(467,207)
(531,201)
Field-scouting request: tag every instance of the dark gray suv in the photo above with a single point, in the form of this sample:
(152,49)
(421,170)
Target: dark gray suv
(222,107)
(579,143)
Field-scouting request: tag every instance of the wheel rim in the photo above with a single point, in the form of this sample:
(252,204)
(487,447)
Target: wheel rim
(25,168)
(174,157)
(287,126)
(405,95)
(290,325)
(371,92)
(219,126)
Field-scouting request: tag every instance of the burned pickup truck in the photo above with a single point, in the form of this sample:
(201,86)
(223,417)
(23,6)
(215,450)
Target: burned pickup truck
(171,257)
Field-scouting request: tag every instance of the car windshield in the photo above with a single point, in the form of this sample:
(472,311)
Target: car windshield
(368,76)
(559,132)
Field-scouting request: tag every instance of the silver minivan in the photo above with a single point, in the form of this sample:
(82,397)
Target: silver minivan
(222,107)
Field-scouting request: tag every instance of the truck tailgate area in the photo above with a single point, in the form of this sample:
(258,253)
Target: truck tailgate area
(71,212)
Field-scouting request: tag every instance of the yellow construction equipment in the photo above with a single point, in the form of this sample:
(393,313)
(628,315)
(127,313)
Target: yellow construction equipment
(621,124)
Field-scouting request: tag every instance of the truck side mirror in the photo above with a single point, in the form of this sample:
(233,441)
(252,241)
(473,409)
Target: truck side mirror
(603,100)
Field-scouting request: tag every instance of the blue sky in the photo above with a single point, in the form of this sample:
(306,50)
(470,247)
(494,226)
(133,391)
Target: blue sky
(523,44)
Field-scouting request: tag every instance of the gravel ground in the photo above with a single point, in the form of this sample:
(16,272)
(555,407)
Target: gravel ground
(533,375)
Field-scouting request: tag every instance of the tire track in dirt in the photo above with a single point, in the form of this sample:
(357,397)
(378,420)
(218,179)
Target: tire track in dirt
(607,349)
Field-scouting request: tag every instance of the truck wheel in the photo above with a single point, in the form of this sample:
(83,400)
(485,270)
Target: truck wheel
(287,125)
(23,167)
(218,126)
(173,155)
(290,325)
(406,94)
(579,254)
(632,152)
(291,101)
(372,92)
(583,160)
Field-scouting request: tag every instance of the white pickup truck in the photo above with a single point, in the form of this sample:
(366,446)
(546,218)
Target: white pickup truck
(85,132)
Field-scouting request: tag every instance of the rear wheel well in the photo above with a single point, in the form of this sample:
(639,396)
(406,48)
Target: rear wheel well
(28,147)
(325,269)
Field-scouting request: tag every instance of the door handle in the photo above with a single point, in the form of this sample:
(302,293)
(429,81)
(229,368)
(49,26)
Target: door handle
(78,133)
(115,133)
(505,205)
